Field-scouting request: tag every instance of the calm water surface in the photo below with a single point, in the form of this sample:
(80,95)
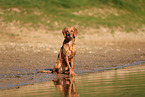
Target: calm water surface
(128,82)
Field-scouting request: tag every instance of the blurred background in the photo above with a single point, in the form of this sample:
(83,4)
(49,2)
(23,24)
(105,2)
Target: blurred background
(22,19)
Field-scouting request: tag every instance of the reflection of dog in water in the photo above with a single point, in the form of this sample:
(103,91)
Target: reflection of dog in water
(65,60)
(66,87)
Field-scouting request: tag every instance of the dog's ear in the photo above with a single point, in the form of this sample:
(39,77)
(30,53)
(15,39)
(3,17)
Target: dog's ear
(63,32)
(75,32)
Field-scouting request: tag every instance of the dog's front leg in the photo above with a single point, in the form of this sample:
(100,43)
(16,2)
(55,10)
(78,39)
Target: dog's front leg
(72,66)
(67,62)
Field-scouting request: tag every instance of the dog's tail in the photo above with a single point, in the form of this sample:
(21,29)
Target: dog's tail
(46,71)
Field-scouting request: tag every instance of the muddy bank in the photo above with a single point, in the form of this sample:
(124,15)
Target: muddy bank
(19,61)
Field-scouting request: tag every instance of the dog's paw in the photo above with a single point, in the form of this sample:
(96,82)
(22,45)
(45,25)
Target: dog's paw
(72,74)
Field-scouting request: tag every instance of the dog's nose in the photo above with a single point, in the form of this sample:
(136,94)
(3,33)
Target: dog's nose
(69,35)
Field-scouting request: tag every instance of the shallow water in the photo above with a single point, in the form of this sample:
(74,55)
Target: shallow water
(128,82)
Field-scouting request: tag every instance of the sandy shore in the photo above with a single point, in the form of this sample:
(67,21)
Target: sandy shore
(20,60)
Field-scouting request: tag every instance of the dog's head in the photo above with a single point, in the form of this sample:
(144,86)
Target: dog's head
(70,32)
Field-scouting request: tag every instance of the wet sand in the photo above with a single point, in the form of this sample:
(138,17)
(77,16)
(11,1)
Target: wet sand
(20,60)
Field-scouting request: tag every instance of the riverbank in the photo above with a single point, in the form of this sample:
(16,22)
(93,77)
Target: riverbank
(20,60)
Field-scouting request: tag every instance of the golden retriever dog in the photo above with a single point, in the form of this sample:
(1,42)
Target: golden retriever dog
(65,60)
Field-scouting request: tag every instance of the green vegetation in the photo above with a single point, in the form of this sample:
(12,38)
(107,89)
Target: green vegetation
(127,15)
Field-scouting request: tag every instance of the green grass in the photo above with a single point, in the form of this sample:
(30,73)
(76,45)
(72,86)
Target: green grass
(55,14)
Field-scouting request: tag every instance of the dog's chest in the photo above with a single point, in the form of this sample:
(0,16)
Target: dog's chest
(69,50)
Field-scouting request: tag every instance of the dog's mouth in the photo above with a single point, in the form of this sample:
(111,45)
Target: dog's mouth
(69,36)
